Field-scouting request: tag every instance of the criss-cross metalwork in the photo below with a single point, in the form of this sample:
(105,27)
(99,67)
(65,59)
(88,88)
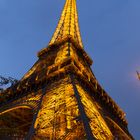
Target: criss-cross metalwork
(59,98)
(68,24)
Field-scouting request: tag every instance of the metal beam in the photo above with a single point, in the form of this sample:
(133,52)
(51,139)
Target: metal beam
(17,116)
(32,129)
(84,117)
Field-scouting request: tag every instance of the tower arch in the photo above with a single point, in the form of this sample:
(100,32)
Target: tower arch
(54,100)
(15,122)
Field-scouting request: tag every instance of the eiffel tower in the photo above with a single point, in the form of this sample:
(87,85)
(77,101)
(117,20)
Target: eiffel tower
(59,98)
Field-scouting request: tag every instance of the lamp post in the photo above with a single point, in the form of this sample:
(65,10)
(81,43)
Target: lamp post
(138,75)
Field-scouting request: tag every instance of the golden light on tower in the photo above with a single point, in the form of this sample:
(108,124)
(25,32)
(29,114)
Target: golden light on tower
(64,98)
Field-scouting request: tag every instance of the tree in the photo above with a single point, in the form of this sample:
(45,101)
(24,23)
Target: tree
(5,81)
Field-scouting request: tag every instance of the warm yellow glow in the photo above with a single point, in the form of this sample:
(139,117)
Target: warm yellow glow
(68,23)
(14,108)
(118,131)
(98,125)
(59,116)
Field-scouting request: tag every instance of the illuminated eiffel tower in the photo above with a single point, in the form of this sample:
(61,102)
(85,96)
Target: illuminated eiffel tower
(59,98)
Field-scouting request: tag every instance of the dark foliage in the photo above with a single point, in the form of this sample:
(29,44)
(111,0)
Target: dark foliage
(5,81)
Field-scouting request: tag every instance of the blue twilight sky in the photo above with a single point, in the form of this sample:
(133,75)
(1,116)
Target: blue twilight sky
(111,35)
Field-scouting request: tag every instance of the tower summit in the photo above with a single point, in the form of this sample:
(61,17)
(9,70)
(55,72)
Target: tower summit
(68,24)
(59,98)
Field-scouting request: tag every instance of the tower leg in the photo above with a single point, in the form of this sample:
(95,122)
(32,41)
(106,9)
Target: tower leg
(84,117)
(32,130)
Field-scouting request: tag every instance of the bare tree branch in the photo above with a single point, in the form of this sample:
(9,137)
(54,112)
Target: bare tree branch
(5,81)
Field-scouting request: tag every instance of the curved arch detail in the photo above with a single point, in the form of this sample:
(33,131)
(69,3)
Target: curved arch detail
(16,107)
(15,121)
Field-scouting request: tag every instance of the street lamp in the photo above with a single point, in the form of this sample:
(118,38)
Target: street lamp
(138,75)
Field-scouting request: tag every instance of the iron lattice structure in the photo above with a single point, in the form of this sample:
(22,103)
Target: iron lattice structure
(59,98)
